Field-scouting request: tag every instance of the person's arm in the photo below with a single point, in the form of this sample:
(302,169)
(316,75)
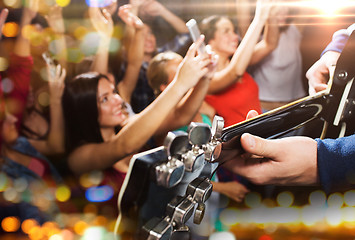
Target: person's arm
(270,39)
(318,74)
(103,24)
(336,164)
(54,144)
(189,106)
(56,22)
(234,190)
(241,58)
(21,63)
(3,16)
(140,127)
(135,53)
(244,15)
(154,8)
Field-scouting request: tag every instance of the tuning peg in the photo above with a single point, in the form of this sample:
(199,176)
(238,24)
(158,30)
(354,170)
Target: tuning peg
(170,173)
(156,229)
(217,126)
(176,143)
(214,147)
(180,209)
(183,233)
(198,135)
(200,189)
(199,213)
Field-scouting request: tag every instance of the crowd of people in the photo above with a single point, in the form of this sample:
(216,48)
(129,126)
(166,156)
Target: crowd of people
(63,118)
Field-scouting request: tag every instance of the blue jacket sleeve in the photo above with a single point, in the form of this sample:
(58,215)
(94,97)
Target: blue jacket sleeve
(339,39)
(336,163)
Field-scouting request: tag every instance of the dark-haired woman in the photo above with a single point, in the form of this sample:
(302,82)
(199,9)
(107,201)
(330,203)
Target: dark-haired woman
(99,132)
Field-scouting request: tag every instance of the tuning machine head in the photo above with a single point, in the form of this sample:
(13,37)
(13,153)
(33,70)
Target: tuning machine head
(156,229)
(214,147)
(170,172)
(198,135)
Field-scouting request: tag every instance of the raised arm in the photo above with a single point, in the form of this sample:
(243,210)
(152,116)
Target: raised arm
(139,128)
(102,21)
(270,39)
(241,58)
(154,8)
(135,52)
(56,22)
(189,106)
(54,144)
(3,16)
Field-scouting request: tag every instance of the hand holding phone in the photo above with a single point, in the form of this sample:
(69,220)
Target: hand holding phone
(195,34)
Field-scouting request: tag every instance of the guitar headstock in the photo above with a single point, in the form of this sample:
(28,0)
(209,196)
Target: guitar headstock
(168,185)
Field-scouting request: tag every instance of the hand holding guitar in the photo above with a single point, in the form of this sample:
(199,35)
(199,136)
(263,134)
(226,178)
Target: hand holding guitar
(286,161)
(318,74)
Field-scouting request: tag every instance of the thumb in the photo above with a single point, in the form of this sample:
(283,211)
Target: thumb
(258,146)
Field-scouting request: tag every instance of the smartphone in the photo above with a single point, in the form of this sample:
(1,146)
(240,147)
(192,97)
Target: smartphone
(50,62)
(195,34)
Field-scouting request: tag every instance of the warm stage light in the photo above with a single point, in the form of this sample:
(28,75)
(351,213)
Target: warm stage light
(331,8)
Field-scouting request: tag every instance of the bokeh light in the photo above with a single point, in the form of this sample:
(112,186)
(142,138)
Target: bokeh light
(10,224)
(10,29)
(99,194)
(12,3)
(230,216)
(63,3)
(28,224)
(317,198)
(335,200)
(4,181)
(285,199)
(222,235)
(4,64)
(349,198)
(80,227)
(63,193)
(252,200)
(7,85)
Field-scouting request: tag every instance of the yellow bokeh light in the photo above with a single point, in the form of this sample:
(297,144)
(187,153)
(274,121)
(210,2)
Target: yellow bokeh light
(36,233)
(10,224)
(80,227)
(4,182)
(63,193)
(12,3)
(4,64)
(10,29)
(80,32)
(63,3)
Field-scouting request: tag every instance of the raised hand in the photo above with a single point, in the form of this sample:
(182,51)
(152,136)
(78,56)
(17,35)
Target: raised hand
(31,8)
(126,14)
(55,19)
(102,21)
(3,16)
(263,8)
(56,76)
(193,67)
